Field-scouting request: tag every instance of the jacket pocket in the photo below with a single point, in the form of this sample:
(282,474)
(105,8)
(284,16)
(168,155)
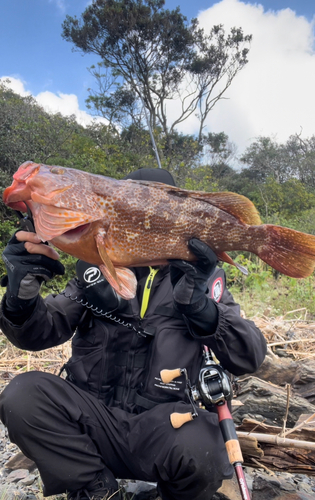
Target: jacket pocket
(171,349)
(84,369)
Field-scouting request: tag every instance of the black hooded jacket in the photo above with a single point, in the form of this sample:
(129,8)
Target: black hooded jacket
(119,360)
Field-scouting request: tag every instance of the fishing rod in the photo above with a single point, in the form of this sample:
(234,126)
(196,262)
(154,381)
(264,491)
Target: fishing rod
(213,388)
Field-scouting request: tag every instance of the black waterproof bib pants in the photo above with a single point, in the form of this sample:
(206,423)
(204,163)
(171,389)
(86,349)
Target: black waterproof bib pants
(71,436)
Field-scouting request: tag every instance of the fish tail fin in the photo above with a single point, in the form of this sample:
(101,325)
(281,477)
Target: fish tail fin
(286,250)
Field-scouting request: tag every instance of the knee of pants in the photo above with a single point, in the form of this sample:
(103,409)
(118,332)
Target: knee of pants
(199,451)
(19,398)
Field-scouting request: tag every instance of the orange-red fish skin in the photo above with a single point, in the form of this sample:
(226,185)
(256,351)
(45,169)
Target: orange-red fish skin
(148,223)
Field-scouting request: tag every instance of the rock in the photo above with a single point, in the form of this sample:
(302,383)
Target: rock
(20,461)
(293,496)
(28,480)
(17,475)
(229,490)
(139,490)
(276,488)
(11,492)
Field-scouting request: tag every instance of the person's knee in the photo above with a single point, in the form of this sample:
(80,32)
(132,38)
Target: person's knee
(19,397)
(200,451)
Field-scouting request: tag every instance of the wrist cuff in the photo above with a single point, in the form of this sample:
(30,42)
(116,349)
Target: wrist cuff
(191,309)
(205,321)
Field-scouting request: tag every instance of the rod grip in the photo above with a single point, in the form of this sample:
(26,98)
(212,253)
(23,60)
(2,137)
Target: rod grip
(234,451)
(179,419)
(168,375)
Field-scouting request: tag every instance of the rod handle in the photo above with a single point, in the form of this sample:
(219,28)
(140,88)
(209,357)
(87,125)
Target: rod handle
(234,451)
(168,375)
(179,419)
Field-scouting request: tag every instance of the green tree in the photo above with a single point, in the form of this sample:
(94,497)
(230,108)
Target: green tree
(150,56)
(300,155)
(265,158)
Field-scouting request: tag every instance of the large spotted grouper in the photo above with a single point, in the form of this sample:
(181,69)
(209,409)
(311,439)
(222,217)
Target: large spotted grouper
(118,224)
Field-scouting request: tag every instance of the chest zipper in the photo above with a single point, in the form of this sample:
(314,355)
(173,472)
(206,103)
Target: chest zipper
(143,309)
(147,291)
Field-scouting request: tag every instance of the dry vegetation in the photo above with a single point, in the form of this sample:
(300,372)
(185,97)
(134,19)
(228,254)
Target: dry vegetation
(14,361)
(291,334)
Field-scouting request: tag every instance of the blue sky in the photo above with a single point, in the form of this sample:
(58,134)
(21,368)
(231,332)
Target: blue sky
(34,54)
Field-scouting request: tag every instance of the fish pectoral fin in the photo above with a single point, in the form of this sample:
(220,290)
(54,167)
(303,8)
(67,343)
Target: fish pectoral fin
(51,221)
(121,279)
(125,284)
(224,257)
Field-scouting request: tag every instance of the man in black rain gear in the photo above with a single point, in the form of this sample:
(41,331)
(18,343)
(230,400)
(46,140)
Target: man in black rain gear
(109,417)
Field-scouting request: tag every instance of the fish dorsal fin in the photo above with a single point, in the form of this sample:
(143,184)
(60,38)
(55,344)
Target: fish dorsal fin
(235,204)
(158,185)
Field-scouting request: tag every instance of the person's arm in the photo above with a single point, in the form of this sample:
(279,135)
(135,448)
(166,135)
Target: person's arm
(237,343)
(26,319)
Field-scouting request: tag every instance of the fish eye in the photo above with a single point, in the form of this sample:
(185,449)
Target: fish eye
(57,170)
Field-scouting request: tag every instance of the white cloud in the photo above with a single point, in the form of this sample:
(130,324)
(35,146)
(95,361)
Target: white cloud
(60,4)
(65,104)
(16,84)
(274,94)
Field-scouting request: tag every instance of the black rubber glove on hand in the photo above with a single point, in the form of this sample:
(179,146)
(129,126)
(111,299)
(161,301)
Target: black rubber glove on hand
(27,271)
(98,292)
(190,285)
(25,274)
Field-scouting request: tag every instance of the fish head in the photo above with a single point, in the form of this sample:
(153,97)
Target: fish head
(60,198)
(33,181)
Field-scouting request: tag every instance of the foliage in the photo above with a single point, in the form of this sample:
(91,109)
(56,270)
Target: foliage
(258,271)
(266,158)
(260,292)
(150,56)
(278,179)
(7,228)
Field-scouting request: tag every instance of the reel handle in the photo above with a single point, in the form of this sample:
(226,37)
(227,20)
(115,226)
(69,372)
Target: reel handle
(179,419)
(168,375)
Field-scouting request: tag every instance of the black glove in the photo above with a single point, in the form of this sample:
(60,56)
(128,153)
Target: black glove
(26,271)
(190,285)
(98,292)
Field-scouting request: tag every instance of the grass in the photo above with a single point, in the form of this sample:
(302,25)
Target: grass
(276,297)
(265,292)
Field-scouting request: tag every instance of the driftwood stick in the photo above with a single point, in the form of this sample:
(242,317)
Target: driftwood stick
(297,341)
(295,310)
(302,424)
(262,466)
(288,388)
(28,366)
(279,441)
